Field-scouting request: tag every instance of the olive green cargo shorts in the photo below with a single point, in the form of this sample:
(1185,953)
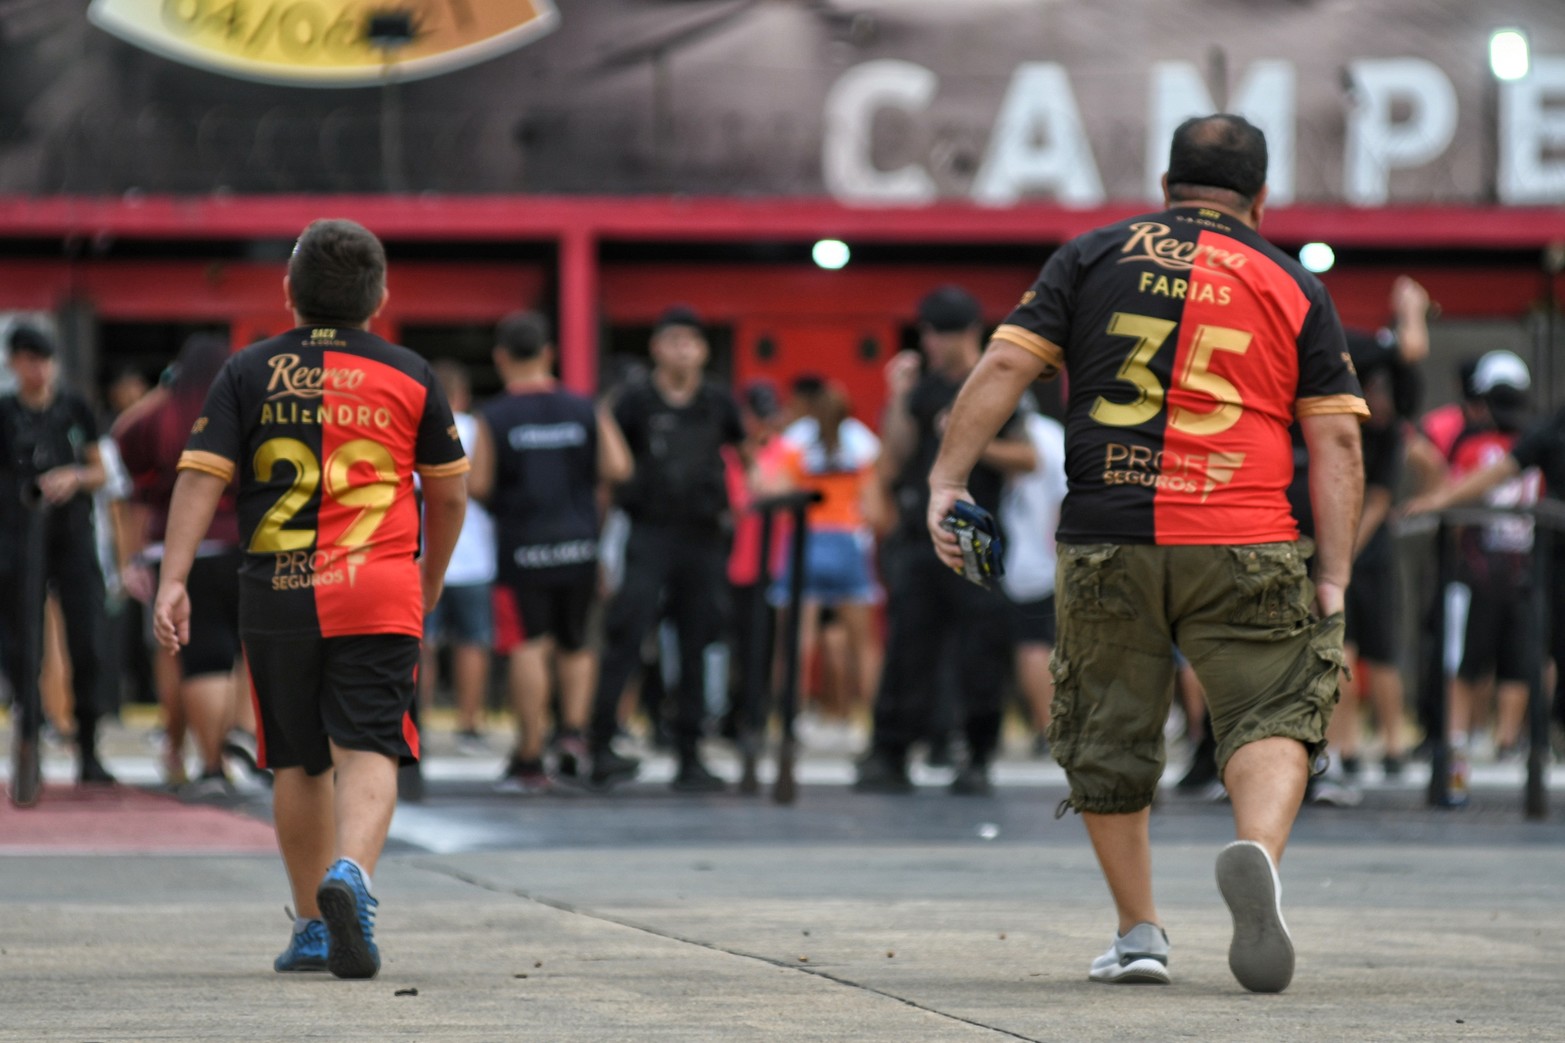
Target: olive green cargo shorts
(1242,615)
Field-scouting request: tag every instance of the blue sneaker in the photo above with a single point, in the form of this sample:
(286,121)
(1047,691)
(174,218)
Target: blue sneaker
(306,950)
(349,911)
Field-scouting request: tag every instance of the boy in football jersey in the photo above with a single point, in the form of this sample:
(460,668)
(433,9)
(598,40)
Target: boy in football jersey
(324,427)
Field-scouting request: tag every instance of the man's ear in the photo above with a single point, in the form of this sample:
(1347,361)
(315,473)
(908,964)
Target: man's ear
(385,295)
(1163,181)
(287,294)
(1258,208)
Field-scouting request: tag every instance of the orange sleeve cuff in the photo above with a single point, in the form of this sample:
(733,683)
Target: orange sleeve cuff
(1324,405)
(1029,341)
(206,463)
(449,470)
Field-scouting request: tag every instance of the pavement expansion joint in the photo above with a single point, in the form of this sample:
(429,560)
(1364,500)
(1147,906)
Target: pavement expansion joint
(771,961)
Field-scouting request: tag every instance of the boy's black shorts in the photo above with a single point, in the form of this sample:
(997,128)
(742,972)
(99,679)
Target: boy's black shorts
(356,691)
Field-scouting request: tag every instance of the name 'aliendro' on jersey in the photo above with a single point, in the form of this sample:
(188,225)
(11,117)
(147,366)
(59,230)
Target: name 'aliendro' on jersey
(323,429)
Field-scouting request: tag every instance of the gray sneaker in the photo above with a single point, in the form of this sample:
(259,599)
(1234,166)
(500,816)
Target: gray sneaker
(1261,953)
(1137,957)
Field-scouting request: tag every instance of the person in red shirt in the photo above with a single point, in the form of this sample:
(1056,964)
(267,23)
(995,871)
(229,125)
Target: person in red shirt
(324,426)
(151,437)
(1192,345)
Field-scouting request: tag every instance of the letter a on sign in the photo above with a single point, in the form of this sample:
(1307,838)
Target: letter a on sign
(320,43)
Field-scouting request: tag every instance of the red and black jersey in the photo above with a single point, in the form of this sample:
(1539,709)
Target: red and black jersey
(325,428)
(1192,344)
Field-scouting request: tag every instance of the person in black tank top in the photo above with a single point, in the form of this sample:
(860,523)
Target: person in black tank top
(541,454)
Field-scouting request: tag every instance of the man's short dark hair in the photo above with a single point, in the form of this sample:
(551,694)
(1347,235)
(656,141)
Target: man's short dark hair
(523,335)
(1223,151)
(337,273)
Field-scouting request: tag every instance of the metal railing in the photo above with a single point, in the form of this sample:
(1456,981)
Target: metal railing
(757,699)
(1433,678)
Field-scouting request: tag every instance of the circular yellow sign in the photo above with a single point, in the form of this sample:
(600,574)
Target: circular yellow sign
(322,43)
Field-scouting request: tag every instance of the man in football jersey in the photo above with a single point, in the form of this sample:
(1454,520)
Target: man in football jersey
(1191,345)
(324,427)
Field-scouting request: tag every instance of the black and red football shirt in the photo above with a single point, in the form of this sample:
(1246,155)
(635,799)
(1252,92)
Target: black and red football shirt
(324,428)
(1191,344)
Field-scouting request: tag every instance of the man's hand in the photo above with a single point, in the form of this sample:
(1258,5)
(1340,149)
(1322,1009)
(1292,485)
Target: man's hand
(171,616)
(1407,296)
(138,582)
(947,547)
(60,484)
(902,373)
(1330,598)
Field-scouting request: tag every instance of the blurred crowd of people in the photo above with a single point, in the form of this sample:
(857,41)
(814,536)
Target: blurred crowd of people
(612,567)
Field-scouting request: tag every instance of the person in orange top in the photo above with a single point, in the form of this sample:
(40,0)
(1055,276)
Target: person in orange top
(830,452)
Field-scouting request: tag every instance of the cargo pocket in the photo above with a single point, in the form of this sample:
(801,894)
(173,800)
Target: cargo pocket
(1271,585)
(1095,582)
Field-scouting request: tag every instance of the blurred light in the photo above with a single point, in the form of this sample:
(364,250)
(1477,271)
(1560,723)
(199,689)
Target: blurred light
(1317,257)
(830,253)
(1508,55)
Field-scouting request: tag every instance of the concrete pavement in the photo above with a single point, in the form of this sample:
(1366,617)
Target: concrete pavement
(648,916)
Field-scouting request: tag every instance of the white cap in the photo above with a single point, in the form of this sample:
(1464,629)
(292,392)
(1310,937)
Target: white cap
(1501,369)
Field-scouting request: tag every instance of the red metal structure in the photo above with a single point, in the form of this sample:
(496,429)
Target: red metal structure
(601,263)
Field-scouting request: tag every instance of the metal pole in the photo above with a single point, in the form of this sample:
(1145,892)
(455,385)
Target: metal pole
(27,717)
(786,789)
(756,666)
(1440,741)
(392,169)
(1536,801)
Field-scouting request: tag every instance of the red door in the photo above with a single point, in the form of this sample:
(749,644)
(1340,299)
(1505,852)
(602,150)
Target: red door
(842,349)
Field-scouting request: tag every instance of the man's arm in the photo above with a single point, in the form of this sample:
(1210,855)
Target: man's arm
(480,480)
(1410,303)
(1466,489)
(445,505)
(1010,456)
(615,464)
(196,495)
(1426,462)
(986,401)
(1377,507)
(61,483)
(898,430)
(1337,499)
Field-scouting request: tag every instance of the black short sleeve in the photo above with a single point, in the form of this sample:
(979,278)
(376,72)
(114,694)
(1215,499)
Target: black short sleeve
(1327,383)
(438,451)
(1041,322)
(217,438)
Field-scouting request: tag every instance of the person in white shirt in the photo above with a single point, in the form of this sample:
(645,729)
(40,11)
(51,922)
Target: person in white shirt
(1029,512)
(465,613)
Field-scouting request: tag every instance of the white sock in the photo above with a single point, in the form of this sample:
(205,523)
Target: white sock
(302,922)
(368,886)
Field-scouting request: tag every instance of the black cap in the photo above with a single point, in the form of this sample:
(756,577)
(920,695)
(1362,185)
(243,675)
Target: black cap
(947,309)
(678,315)
(32,341)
